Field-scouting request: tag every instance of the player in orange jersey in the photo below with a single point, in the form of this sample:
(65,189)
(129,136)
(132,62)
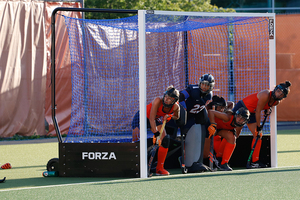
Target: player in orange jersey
(224,125)
(160,109)
(255,103)
(221,105)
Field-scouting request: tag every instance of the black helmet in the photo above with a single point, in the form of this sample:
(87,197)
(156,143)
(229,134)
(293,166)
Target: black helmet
(217,101)
(243,113)
(284,87)
(209,80)
(172,92)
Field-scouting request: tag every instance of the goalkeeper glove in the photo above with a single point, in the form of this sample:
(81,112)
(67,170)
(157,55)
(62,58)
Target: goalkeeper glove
(212,129)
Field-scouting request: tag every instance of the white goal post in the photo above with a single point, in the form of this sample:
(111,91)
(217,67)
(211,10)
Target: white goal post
(143,84)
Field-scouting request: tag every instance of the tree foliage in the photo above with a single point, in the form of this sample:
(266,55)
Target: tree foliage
(168,5)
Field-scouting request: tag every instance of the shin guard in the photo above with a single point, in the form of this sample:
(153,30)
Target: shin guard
(228,150)
(219,152)
(161,157)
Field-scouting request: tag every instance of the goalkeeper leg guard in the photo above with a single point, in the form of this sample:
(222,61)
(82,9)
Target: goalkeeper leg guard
(193,145)
(255,156)
(203,135)
(161,157)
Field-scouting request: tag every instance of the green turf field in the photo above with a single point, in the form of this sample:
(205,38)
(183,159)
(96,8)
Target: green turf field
(25,180)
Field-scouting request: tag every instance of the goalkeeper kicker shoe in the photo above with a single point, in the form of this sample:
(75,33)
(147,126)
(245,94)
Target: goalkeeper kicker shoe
(197,168)
(225,167)
(162,172)
(258,164)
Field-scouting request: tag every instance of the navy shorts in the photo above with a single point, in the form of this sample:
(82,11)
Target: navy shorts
(136,121)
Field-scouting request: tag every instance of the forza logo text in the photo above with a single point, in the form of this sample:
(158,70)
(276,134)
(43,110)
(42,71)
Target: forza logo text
(99,156)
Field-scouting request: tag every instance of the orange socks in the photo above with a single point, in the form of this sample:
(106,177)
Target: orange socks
(220,150)
(255,156)
(161,157)
(217,142)
(228,150)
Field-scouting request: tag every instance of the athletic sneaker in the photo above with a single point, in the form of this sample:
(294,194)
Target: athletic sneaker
(217,161)
(225,167)
(258,164)
(162,172)
(6,166)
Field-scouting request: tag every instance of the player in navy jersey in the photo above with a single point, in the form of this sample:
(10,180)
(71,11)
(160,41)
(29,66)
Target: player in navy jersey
(194,98)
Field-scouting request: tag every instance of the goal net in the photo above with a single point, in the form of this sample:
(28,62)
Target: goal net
(179,48)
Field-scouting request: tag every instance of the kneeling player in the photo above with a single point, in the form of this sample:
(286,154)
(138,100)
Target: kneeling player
(224,124)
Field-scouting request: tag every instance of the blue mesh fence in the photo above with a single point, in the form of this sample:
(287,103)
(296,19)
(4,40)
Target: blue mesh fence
(179,49)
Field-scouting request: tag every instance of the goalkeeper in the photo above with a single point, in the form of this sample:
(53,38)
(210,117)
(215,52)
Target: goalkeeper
(224,125)
(194,98)
(160,109)
(255,103)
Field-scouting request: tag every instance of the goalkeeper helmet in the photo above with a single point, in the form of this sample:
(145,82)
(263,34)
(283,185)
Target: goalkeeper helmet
(284,88)
(171,94)
(209,80)
(241,117)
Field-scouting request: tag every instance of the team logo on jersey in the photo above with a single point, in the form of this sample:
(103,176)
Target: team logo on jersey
(99,156)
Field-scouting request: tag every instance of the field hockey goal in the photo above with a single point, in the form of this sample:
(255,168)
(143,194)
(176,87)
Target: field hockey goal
(118,66)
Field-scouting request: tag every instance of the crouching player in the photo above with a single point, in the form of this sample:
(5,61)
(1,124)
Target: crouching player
(219,104)
(224,124)
(160,109)
(256,103)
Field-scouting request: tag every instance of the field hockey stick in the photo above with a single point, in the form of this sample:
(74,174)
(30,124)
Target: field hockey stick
(156,146)
(248,166)
(211,154)
(183,168)
(2,180)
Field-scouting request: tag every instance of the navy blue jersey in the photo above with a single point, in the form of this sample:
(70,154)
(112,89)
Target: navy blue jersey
(194,100)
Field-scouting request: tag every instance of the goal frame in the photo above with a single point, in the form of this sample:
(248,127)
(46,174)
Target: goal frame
(142,74)
(142,70)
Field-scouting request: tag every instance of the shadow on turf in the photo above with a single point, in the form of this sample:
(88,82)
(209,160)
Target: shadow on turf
(48,181)
(29,167)
(209,174)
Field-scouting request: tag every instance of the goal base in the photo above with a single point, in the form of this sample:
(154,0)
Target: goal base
(243,148)
(99,160)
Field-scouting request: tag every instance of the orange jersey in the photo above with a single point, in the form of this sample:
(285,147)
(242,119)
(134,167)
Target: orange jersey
(224,125)
(160,112)
(251,102)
